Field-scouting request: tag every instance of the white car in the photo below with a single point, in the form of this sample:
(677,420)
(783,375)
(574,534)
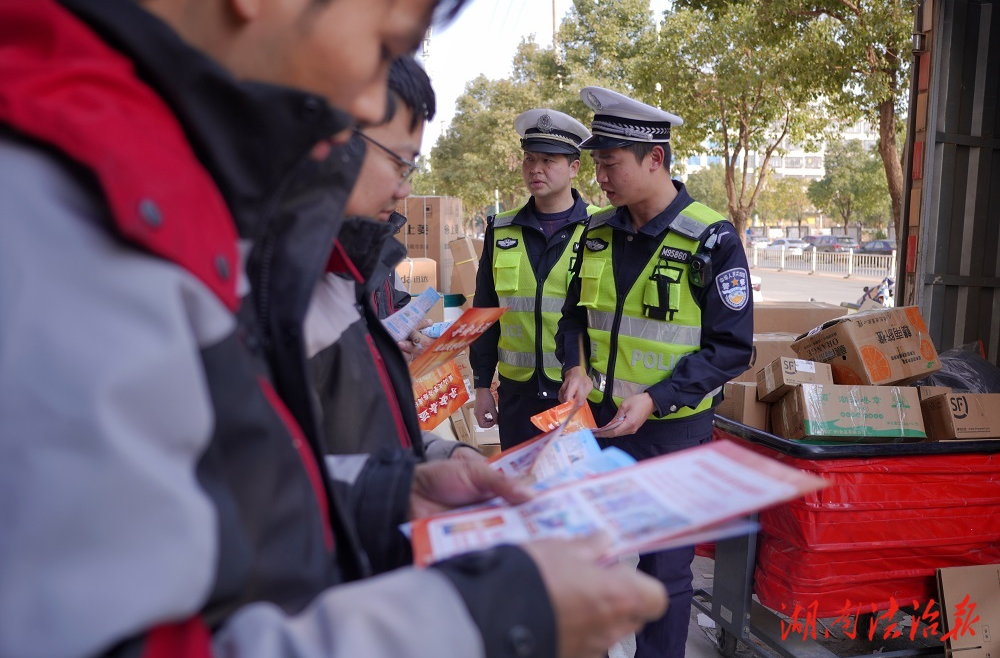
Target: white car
(791,246)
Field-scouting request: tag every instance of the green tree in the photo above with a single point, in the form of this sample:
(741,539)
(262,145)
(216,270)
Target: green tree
(742,96)
(854,186)
(784,199)
(708,186)
(862,66)
(481,152)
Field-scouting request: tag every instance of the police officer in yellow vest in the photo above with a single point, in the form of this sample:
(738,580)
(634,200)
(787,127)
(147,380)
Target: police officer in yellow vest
(662,297)
(528,254)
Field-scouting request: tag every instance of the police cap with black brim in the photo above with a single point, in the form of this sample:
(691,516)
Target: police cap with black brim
(549,131)
(620,121)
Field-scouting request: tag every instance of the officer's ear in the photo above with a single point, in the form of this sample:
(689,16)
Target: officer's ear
(574,167)
(657,158)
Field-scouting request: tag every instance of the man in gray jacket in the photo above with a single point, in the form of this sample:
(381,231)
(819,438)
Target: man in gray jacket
(164,491)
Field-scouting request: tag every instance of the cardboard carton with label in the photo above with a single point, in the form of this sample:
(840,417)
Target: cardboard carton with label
(853,414)
(779,377)
(874,348)
(962,416)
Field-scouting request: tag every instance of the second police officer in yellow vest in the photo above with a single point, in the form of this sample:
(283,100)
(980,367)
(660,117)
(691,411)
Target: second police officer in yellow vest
(528,257)
(662,298)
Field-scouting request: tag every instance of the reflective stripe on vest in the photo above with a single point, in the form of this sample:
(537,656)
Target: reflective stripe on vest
(629,350)
(530,310)
(622,389)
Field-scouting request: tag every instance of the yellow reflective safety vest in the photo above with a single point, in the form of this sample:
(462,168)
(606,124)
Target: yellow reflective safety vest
(528,329)
(630,348)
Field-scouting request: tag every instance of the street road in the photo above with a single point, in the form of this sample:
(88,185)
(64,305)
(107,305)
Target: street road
(802,287)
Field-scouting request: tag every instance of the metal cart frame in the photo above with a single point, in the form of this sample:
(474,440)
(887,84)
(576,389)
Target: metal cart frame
(729,602)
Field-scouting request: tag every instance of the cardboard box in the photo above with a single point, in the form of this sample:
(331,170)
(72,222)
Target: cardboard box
(431,223)
(930,391)
(970,606)
(740,403)
(854,414)
(460,426)
(417,275)
(874,348)
(962,416)
(793,317)
(779,377)
(465,267)
(477,244)
(766,348)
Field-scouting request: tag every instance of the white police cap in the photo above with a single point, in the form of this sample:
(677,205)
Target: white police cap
(548,131)
(620,120)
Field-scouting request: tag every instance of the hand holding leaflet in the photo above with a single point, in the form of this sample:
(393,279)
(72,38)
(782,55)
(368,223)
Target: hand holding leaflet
(672,500)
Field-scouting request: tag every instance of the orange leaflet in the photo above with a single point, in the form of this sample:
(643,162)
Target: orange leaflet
(439,394)
(459,335)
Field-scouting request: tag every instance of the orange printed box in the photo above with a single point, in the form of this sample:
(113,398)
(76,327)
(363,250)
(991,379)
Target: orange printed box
(873,348)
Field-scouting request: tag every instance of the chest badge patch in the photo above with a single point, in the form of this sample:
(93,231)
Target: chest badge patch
(734,288)
(596,244)
(507,243)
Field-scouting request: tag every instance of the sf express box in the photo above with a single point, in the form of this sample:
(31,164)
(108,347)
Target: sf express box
(781,375)
(766,348)
(740,403)
(873,348)
(853,414)
(962,416)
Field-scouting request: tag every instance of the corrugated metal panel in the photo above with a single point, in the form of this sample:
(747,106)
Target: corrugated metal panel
(957,279)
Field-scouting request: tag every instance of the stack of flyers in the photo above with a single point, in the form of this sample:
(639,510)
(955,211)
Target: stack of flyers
(679,499)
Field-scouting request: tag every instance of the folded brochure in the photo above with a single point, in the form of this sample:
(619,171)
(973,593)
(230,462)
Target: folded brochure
(678,499)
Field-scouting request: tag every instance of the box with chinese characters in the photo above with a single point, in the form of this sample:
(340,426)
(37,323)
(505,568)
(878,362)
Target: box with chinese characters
(824,412)
(873,348)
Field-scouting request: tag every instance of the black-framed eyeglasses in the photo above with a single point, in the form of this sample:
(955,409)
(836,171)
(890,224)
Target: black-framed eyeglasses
(406,167)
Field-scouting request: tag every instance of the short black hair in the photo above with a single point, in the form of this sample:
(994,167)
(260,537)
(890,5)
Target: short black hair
(641,149)
(410,85)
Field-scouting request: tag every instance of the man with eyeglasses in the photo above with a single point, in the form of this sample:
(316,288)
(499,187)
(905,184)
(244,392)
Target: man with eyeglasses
(359,372)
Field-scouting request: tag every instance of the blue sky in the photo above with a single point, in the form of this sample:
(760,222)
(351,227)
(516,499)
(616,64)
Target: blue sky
(483,40)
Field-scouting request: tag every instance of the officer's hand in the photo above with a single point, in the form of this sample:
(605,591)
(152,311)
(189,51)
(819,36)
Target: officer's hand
(439,486)
(595,606)
(632,413)
(486,408)
(576,385)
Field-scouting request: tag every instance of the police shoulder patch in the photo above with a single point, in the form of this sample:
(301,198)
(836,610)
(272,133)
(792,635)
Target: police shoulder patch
(596,244)
(734,288)
(507,243)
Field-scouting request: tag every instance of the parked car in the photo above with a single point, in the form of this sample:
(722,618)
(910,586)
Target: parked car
(882,247)
(835,243)
(792,246)
(759,242)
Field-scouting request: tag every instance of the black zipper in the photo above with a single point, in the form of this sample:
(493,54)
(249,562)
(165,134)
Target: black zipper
(268,246)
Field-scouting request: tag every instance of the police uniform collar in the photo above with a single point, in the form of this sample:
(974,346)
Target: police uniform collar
(661,222)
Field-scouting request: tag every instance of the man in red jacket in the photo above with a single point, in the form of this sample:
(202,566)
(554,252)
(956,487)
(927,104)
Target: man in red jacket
(163,483)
